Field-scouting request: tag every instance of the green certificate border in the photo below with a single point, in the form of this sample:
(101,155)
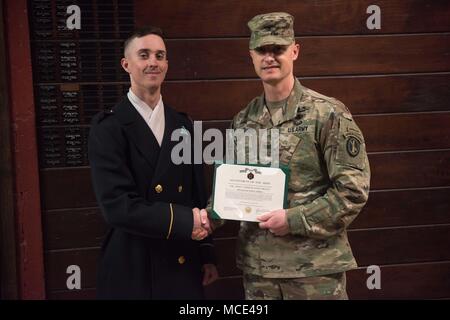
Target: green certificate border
(284,168)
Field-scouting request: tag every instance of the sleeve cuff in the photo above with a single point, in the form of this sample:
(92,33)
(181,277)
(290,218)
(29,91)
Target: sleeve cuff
(181,225)
(207,254)
(296,221)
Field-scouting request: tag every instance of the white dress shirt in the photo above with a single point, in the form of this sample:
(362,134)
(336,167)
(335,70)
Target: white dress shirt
(154,118)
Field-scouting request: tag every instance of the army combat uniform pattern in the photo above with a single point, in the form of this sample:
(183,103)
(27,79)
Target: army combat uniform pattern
(328,186)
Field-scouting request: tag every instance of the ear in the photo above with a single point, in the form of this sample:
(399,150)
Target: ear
(295,51)
(124,64)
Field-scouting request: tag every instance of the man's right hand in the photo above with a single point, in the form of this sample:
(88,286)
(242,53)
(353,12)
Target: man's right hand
(206,223)
(200,229)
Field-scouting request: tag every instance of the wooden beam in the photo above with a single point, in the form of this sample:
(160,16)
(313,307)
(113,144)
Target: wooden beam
(26,170)
(8,277)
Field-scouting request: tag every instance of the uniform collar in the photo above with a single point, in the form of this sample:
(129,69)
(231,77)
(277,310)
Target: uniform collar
(143,108)
(261,114)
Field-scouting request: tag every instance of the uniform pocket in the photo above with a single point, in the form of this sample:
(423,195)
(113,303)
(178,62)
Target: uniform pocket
(288,144)
(351,148)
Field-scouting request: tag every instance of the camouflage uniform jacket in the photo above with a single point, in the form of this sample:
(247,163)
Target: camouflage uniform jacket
(328,186)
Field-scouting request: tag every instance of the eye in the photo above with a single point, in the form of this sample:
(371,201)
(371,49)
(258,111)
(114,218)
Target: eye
(277,50)
(160,55)
(143,55)
(261,50)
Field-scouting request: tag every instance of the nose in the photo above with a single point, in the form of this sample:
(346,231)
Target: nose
(152,60)
(269,57)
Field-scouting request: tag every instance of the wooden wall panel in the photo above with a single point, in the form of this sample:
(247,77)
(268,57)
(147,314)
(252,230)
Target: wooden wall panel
(63,182)
(406,281)
(405,208)
(410,169)
(362,95)
(405,131)
(401,245)
(57,262)
(229,18)
(70,228)
(229,58)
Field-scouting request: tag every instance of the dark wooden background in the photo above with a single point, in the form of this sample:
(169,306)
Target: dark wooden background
(395,81)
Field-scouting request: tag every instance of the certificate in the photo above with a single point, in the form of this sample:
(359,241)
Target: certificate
(243,192)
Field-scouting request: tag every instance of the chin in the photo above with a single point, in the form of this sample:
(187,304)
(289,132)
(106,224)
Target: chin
(154,82)
(152,85)
(270,79)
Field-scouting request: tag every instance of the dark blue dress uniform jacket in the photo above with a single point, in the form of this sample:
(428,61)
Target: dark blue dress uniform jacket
(147,201)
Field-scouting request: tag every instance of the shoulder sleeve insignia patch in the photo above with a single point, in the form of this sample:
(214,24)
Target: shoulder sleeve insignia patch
(353,146)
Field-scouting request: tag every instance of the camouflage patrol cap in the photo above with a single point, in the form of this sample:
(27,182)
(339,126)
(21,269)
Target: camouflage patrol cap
(271,28)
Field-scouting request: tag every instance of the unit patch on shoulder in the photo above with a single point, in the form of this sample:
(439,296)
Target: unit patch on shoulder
(353,146)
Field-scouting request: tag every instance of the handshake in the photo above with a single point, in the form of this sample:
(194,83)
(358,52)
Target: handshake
(275,222)
(202,225)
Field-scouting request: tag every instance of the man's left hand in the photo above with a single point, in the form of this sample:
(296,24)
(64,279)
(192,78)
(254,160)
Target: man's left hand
(275,221)
(210,273)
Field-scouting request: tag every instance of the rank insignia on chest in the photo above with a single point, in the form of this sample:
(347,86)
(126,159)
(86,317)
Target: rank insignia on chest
(298,119)
(299,116)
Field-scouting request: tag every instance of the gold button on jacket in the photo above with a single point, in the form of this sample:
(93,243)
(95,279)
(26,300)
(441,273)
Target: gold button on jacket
(181,260)
(159,188)
(180,188)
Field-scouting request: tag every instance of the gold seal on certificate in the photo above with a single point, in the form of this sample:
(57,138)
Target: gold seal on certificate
(243,192)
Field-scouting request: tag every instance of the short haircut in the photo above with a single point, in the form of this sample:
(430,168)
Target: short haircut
(142,32)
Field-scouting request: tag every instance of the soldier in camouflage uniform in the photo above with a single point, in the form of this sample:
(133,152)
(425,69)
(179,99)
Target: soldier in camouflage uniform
(301,252)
